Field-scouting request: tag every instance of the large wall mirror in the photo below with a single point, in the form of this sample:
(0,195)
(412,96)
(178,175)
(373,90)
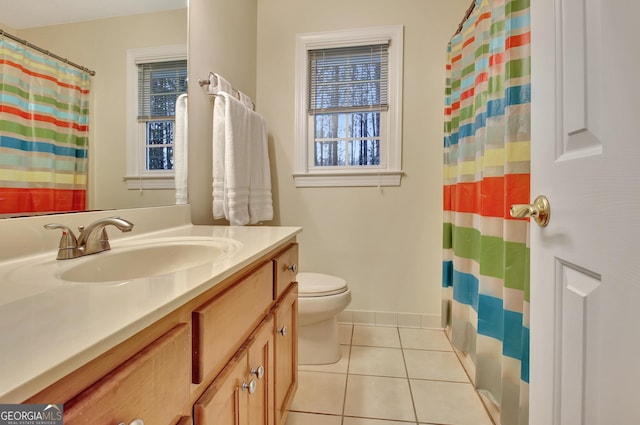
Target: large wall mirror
(97,34)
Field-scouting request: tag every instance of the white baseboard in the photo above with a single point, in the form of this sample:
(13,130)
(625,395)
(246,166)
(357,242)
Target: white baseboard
(386,318)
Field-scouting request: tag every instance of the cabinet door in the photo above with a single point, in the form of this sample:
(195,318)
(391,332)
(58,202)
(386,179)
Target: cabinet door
(261,364)
(226,400)
(286,352)
(153,385)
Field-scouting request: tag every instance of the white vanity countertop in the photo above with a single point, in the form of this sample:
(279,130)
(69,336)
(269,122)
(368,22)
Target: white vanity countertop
(52,328)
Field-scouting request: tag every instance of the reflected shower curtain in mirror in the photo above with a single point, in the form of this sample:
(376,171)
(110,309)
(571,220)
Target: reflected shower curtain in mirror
(486,163)
(44,128)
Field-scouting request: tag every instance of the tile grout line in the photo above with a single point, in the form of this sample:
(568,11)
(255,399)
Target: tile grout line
(406,370)
(342,417)
(346,384)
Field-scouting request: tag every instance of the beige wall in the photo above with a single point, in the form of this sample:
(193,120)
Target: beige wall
(385,242)
(8,28)
(101,45)
(222,39)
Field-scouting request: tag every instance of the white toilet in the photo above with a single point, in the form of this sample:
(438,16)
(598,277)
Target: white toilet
(321,297)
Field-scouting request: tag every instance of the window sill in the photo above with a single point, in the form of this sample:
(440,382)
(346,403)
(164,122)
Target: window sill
(344,179)
(150,182)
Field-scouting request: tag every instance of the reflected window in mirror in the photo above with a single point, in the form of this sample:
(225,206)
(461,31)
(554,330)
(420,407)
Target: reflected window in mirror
(159,85)
(155,78)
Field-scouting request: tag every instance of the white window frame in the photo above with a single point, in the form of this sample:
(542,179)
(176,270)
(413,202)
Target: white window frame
(138,177)
(390,172)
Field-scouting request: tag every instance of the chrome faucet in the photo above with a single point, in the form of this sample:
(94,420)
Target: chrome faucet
(92,239)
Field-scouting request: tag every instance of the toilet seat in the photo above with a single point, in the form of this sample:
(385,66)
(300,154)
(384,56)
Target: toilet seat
(319,285)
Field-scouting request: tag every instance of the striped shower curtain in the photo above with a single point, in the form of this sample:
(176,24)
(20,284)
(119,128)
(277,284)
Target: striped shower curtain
(486,162)
(44,128)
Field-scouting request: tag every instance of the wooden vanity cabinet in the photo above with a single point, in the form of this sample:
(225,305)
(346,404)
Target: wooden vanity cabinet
(197,364)
(243,393)
(222,325)
(153,386)
(226,400)
(274,346)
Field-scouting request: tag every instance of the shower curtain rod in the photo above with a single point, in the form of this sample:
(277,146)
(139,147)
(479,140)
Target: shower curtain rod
(466,16)
(46,52)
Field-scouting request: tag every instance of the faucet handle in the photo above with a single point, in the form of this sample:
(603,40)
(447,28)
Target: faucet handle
(68,243)
(104,240)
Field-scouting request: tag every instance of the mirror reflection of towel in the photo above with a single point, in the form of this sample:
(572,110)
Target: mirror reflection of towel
(180,150)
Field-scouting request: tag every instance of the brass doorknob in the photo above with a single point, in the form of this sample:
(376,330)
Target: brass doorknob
(539,210)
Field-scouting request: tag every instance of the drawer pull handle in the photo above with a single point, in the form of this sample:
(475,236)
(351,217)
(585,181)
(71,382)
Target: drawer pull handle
(251,386)
(259,372)
(134,422)
(283,331)
(293,268)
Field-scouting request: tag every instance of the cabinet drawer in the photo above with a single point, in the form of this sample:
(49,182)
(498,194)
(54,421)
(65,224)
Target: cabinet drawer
(153,386)
(221,325)
(286,269)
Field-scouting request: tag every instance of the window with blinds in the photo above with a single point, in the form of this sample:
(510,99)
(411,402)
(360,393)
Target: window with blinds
(348,107)
(348,91)
(159,85)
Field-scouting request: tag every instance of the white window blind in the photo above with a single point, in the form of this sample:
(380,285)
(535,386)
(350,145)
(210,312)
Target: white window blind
(351,78)
(159,85)
(156,76)
(349,107)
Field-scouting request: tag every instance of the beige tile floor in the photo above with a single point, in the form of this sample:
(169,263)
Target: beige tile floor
(388,376)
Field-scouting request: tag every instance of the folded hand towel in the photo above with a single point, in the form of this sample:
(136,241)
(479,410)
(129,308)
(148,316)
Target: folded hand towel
(180,149)
(218,84)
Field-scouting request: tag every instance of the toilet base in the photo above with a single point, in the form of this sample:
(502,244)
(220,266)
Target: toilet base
(318,343)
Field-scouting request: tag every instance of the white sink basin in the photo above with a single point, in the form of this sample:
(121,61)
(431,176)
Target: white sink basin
(127,260)
(146,258)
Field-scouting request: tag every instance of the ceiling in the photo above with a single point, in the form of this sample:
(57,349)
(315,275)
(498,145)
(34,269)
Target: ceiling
(20,14)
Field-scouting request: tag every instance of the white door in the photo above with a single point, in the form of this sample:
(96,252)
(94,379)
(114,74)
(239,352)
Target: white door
(585,266)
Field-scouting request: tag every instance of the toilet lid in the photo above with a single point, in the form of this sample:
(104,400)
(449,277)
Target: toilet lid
(318,284)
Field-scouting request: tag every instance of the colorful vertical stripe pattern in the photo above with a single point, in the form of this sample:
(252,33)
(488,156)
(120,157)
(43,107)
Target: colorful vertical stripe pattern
(486,169)
(44,129)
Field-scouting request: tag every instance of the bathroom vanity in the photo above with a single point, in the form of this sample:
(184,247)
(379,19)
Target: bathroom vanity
(212,343)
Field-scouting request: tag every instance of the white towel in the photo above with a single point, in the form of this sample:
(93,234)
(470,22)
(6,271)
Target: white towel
(237,161)
(180,150)
(241,170)
(260,199)
(219,140)
(245,99)
(218,84)
(231,160)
